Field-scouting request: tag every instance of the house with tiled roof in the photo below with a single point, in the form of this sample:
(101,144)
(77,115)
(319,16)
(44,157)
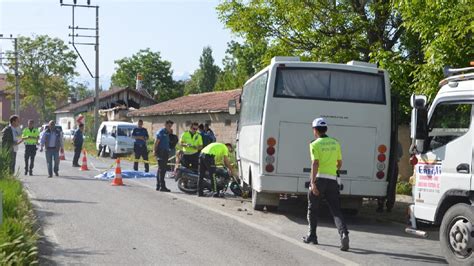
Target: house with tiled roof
(7,107)
(205,108)
(115,96)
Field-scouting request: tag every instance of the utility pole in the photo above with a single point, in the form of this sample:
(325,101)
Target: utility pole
(17,75)
(74,35)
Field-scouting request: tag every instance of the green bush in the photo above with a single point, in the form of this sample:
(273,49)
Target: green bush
(17,237)
(404,188)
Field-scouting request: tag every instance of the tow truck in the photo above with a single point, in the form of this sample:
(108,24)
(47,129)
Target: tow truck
(442,152)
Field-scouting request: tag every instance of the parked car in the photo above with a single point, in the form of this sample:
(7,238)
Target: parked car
(68,134)
(116,137)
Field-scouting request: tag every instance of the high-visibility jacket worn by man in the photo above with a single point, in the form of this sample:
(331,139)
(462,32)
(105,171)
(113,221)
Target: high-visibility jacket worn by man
(191,143)
(212,155)
(30,137)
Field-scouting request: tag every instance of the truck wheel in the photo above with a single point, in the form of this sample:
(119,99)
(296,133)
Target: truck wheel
(256,200)
(456,235)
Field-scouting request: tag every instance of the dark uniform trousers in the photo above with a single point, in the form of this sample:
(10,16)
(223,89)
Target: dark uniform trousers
(30,153)
(206,163)
(77,154)
(162,159)
(328,189)
(141,151)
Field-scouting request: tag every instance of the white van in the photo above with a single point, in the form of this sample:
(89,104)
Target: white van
(116,137)
(442,155)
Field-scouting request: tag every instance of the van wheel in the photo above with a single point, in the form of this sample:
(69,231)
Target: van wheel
(256,200)
(456,235)
(113,155)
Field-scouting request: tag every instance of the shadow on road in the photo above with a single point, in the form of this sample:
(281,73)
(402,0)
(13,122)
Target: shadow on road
(421,258)
(295,210)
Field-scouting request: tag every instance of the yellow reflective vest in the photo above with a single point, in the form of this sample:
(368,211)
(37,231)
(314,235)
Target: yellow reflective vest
(30,136)
(191,142)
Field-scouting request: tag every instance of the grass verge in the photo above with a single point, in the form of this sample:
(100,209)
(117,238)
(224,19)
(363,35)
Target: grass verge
(18,239)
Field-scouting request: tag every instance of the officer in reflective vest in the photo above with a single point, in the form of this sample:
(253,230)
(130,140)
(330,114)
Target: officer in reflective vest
(326,160)
(30,137)
(212,155)
(191,143)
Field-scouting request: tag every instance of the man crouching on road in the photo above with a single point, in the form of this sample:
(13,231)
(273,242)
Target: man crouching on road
(212,155)
(326,160)
(53,141)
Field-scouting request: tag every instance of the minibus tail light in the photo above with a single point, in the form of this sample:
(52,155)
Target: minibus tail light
(380,174)
(381,157)
(269,168)
(382,149)
(270,159)
(271,150)
(271,141)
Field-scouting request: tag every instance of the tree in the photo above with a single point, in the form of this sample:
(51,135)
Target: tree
(156,72)
(81,91)
(412,40)
(445,31)
(45,66)
(320,30)
(240,63)
(203,79)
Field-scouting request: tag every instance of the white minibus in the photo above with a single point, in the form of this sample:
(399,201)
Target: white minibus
(278,105)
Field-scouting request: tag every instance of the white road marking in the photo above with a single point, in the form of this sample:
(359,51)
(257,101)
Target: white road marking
(293,241)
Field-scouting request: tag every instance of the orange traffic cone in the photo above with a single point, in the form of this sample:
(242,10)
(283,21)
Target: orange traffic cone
(118,175)
(84,161)
(62,157)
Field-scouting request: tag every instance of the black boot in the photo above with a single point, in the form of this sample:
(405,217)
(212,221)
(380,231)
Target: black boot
(345,242)
(310,239)
(164,189)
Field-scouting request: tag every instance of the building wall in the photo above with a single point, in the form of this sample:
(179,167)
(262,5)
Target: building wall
(223,124)
(65,120)
(26,112)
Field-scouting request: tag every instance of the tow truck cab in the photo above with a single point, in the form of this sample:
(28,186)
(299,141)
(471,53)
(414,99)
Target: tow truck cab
(442,154)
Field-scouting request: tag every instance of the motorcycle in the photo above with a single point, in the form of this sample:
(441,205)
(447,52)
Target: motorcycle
(187,180)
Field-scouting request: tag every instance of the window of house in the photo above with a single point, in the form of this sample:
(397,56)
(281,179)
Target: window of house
(188,123)
(208,122)
(228,122)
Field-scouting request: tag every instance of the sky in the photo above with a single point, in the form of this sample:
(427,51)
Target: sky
(178,29)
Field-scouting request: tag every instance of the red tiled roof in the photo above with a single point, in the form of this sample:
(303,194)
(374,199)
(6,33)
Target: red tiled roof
(209,102)
(90,100)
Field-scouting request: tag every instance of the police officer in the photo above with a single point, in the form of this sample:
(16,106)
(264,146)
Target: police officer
(78,141)
(53,141)
(140,134)
(212,155)
(162,152)
(30,136)
(326,160)
(191,143)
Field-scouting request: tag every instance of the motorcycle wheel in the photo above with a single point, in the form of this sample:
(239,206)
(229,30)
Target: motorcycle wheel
(235,188)
(183,186)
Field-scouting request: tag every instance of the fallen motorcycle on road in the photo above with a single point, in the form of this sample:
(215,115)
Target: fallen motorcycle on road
(187,181)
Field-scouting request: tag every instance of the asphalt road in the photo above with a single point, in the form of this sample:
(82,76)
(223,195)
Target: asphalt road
(87,221)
